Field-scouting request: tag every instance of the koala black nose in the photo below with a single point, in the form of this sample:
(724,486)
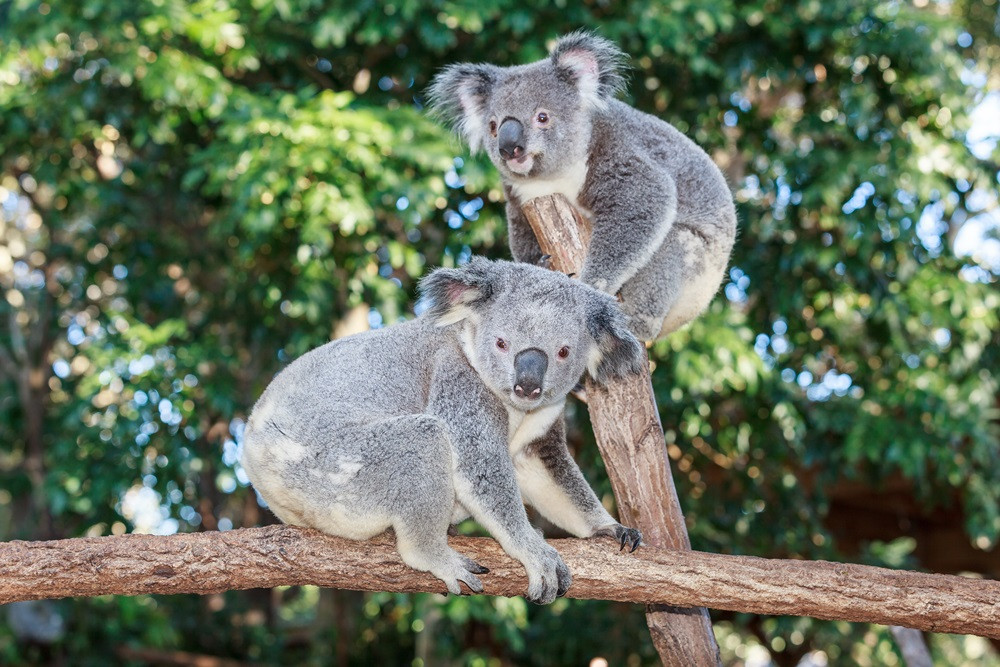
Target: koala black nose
(529,372)
(511,137)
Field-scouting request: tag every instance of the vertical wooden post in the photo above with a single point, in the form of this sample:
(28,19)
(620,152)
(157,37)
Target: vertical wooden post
(629,434)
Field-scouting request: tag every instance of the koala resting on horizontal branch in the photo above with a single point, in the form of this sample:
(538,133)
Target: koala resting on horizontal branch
(456,413)
(662,215)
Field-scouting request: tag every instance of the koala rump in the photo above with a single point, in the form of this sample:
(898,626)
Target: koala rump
(457,413)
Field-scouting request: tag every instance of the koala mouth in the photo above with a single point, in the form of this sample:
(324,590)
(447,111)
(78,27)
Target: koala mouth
(521,166)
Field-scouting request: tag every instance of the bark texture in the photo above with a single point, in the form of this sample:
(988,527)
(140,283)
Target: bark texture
(212,562)
(629,434)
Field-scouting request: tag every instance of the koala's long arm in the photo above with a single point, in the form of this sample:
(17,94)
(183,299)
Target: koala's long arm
(485,482)
(523,244)
(633,204)
(552,483)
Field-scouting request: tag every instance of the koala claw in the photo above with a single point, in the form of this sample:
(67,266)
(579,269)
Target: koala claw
(549,579)
(627,537)
(631,537)
(565,579)
(459,572)
(474,567)
(470,580)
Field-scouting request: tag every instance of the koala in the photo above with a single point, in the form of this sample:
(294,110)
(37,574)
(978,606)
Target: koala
(661,213)
(456,413)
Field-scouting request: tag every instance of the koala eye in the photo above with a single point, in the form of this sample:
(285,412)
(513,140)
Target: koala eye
(563,352)
(493,128)
(502,344)
(542,118)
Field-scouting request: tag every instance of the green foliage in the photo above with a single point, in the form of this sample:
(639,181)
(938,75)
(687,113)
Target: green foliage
(194,193)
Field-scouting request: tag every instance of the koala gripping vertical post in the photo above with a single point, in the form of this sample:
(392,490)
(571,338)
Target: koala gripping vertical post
(630,437)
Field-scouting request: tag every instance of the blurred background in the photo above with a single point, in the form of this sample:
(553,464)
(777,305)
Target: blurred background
(194,193)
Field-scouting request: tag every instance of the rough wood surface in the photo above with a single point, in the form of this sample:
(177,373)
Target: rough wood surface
(629,434)
(212,562)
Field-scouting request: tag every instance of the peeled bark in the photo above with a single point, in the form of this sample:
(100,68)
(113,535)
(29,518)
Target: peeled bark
(212,562)
(629,434)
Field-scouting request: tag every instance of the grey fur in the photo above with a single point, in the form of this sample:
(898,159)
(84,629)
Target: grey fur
(663,217)
(417,426)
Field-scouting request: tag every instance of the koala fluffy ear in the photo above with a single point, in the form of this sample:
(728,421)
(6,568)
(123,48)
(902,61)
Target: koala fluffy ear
(617,352)
(458,95)
(452,294)
(593,63)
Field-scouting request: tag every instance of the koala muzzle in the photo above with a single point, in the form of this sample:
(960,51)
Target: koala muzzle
(511,138)
(529,372)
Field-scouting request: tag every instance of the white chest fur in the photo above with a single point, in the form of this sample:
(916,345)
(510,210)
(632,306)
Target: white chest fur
(569,184)
(526,427)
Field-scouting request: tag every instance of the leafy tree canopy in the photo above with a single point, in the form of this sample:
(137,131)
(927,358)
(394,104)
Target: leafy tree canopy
(194,193)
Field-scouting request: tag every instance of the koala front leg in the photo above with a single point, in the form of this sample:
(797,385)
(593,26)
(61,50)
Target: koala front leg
(485,482)
(630,221)
(552,483)
(494,501)
(523,244)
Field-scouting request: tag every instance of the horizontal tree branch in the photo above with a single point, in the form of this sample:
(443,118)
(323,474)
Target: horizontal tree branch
(212,562)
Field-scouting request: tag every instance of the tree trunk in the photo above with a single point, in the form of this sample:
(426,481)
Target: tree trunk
(212,562)
(628,432)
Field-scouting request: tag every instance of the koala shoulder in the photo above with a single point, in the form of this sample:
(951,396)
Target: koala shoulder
(623,134)
(625,130)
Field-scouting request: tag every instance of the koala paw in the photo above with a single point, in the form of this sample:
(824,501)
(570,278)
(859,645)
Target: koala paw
(460,570)
(627,537)
(548,576)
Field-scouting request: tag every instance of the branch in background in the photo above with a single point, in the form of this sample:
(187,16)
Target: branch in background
(213,562)
(911,644)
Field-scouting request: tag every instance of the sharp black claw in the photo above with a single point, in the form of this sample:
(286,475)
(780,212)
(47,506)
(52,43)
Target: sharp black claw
(624,540)
(635,545)
(480,569)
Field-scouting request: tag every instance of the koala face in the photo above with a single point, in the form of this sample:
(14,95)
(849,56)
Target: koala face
(530,345)
(532,120)
(529,332)
(534,124)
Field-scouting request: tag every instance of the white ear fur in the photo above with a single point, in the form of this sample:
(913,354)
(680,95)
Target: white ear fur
(459,309)
(458,95)
(471,124)
(594,64)
(587,72)
(594,358)
(454,314)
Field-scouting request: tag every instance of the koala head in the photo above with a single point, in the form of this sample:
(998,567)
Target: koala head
(533,120)
(529,332)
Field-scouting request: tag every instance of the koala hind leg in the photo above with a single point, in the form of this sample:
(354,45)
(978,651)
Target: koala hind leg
(679,281)
(422,510)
